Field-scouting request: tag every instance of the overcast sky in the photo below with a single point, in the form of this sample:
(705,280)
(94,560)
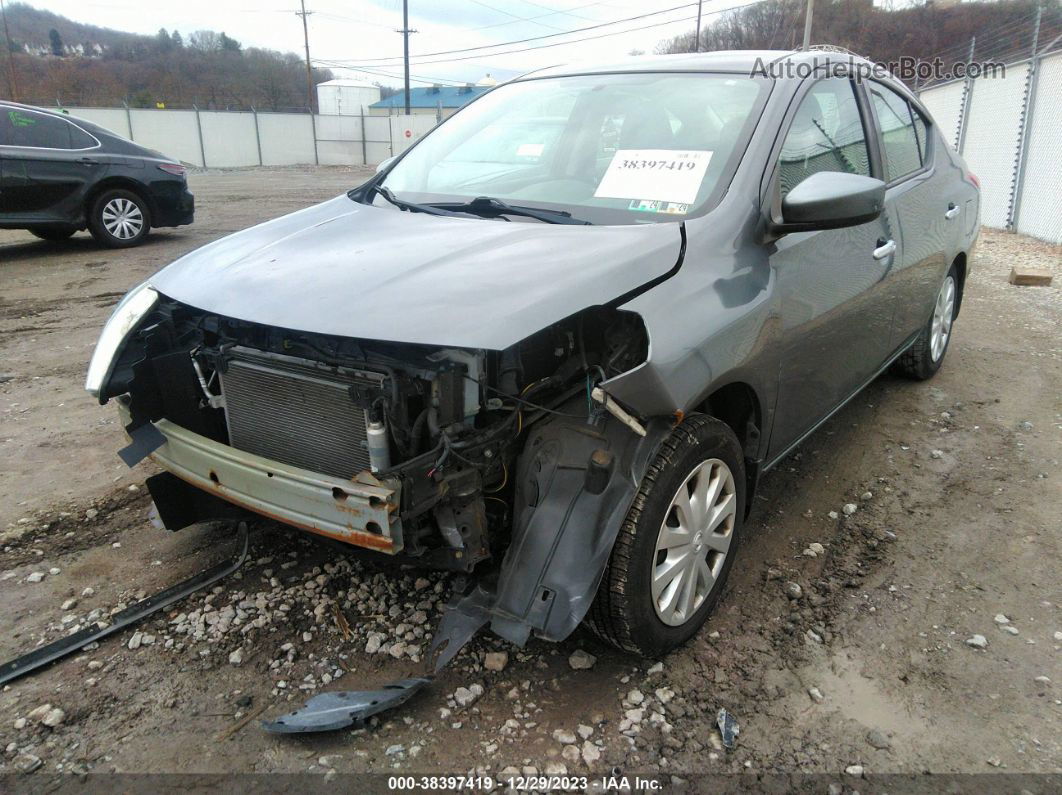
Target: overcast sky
(345,31)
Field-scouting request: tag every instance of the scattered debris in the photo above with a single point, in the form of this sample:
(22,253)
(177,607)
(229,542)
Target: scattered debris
(496,660)
(1024,276)
(977,641)
(581,660)
(728,727)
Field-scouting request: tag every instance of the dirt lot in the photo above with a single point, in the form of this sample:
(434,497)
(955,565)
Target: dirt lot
(955,533)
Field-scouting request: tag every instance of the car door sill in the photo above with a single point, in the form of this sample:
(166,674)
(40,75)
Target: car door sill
(899,352)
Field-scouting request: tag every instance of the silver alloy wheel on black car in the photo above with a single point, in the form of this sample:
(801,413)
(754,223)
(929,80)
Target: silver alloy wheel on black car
(122,218)
(119,218)
(677,544)
(693,541)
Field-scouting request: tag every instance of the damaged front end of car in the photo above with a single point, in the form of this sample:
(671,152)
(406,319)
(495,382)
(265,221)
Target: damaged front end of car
(503,464)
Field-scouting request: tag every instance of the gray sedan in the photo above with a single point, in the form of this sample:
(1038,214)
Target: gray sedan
(555,344)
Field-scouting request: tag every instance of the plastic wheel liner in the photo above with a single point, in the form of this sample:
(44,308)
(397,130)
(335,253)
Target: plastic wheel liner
(575,483)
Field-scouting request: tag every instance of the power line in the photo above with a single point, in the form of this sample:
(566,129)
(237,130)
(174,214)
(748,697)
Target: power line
(368,60)
(573,41)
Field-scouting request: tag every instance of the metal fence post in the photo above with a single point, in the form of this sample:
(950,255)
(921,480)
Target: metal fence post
(257,135)
(364,143)
(313,127)
(199,127)
(967,98)
(128,119)
(1028,104)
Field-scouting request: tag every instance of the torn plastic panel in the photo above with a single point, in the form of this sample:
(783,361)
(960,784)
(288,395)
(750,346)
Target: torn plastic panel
(574,485)
(339,709)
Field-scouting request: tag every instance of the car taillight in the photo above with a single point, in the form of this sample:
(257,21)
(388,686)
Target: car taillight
(173,168)
(973,178)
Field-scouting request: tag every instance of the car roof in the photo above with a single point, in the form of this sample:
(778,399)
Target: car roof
(719,61)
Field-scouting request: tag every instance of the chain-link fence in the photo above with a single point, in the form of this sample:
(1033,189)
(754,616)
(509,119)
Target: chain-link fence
(1007,128)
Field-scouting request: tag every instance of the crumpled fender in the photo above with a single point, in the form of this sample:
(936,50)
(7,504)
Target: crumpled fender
(574,485)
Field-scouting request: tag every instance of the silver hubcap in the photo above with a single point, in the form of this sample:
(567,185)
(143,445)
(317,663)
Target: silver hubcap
(693,541)
(942,317)
(122,218)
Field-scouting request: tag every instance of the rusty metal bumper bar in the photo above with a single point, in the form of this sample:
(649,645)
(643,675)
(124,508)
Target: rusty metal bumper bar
(362,511)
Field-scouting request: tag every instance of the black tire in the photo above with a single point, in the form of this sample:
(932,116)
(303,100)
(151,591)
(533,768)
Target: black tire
(108,201)
(53,233)
(623,612)
(918,361)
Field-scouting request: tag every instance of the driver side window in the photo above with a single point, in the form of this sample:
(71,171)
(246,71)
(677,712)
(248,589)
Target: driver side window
(826,135)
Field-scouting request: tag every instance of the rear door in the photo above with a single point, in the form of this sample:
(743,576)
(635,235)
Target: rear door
(48,165)
(918,195)
(835,312)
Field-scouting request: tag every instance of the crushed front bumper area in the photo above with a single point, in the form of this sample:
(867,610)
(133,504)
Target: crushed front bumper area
(363,511)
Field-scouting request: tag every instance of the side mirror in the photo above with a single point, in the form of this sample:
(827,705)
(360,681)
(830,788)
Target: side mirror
(385,164)
(831,200)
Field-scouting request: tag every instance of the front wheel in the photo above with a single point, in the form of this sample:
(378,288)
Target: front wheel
(677,544)
(119,219)
(926,354)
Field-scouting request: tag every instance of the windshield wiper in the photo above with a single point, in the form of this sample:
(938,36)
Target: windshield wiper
(489,207)
(411,207)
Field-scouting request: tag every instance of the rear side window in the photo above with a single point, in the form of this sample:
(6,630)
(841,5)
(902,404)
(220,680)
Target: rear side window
(25,128)
(903,132)
(826,135)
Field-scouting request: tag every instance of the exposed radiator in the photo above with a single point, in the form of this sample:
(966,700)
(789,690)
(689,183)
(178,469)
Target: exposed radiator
(296,411)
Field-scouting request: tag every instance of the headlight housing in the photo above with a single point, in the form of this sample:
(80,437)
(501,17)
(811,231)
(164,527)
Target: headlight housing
(126,316)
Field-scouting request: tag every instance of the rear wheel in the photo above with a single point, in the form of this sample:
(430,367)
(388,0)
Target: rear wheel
(677,544)
(119,219)
(52,232)
(922,360)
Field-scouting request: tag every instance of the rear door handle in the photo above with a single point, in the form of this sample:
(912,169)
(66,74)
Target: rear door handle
(952,212)
(885,249)
(88,161)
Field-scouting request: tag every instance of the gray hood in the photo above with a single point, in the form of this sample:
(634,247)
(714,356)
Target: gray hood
(353,270)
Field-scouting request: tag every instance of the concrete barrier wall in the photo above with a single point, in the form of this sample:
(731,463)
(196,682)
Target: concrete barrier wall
(223,139)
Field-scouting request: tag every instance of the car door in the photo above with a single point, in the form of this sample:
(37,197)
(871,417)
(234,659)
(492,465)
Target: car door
(917,193)
(48,165)
(834,311)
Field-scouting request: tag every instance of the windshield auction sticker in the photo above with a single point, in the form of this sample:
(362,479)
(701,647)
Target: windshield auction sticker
(663,175)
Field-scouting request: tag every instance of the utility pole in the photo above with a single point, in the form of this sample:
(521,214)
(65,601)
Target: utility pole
(306,39)
(10,55)
(697,37)
(807,25)
(405,46)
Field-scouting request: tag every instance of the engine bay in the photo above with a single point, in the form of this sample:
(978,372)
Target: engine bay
(444,427)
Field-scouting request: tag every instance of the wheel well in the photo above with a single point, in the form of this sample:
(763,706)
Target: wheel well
(736,404)
(960,271)
(117,182)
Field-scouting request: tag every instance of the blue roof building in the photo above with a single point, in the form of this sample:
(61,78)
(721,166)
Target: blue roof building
(428,100)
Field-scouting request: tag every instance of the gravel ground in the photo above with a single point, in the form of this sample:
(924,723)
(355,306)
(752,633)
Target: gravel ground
(918,630)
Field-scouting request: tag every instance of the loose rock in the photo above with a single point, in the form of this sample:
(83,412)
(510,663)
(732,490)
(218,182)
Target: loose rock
(581,660)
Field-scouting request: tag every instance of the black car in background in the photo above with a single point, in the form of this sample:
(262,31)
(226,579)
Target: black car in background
(60,174)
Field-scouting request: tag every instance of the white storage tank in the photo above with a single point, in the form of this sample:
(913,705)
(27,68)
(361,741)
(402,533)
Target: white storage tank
(343,97)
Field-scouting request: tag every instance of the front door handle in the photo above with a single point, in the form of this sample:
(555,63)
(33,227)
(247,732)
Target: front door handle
(886,248)
(952,212)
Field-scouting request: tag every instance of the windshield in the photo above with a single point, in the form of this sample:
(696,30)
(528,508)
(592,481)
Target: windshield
(613,149)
